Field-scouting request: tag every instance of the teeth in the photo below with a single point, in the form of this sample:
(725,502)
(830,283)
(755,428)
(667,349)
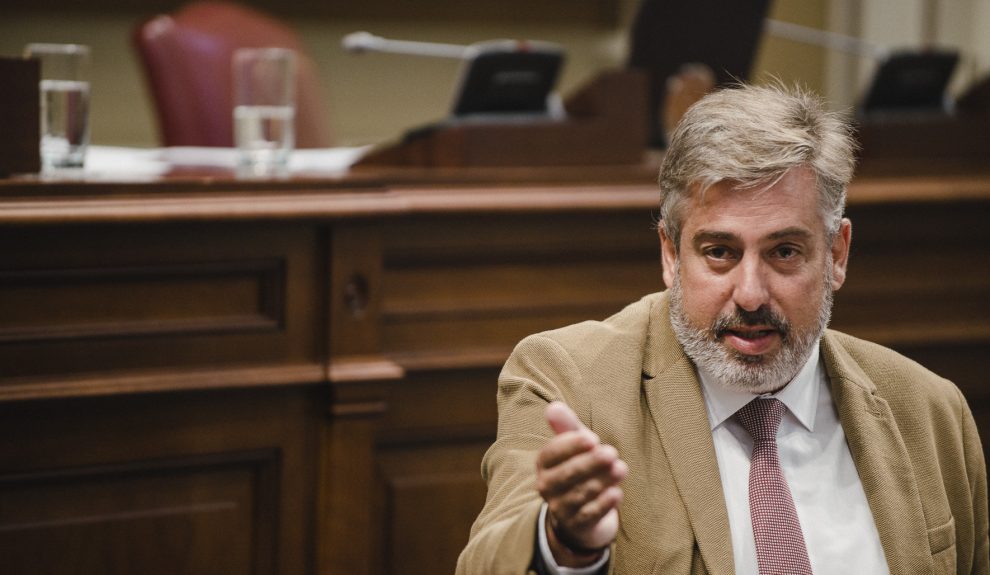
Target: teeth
(751,334)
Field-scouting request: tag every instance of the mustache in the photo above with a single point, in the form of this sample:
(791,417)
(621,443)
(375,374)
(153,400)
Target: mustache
(740,318)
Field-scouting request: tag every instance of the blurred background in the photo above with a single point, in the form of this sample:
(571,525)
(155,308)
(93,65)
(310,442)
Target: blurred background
(376,97)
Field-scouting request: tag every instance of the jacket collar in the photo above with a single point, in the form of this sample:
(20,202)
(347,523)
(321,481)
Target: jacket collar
(676,404)
(882,461)
(677,407)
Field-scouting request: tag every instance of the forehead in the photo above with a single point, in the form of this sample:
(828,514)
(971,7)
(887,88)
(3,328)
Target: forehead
(789,202)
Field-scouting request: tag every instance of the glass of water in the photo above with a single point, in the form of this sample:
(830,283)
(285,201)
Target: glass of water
(64,103)
(264,109)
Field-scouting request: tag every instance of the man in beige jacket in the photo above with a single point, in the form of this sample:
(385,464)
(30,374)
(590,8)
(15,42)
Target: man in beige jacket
(623,446)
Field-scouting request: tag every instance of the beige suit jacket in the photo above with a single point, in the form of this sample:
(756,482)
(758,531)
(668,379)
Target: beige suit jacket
(910,432)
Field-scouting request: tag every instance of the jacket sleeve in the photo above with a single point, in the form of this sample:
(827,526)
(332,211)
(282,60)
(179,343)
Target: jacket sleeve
(977,472)
(503,536)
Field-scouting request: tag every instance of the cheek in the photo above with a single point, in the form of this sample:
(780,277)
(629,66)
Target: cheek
(705,297)
(799,300)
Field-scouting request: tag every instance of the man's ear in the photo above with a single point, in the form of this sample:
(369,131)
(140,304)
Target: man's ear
(668,254)
(840,253)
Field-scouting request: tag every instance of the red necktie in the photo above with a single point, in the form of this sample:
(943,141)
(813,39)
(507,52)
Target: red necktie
(780,548)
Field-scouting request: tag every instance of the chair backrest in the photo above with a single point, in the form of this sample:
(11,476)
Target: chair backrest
(187,61)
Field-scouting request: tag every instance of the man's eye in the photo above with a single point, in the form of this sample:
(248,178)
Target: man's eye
(786,252)
(718,252)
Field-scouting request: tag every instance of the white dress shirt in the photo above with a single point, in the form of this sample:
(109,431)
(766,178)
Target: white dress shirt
(835,516)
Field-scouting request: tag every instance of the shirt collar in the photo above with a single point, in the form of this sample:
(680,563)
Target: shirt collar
(800,395)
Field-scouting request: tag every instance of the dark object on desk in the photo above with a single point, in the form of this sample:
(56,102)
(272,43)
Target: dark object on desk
(911,81)
(505,114)
(667,34)
(186,57)
(976,99)
(19,115)
(908,144)
(502,82)
(508,77)
(605,125)
(499,78)
(906,128)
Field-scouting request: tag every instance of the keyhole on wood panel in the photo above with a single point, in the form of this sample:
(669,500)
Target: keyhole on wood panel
(356,295)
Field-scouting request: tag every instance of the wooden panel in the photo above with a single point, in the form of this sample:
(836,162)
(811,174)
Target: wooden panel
(447,405)
(77,300)
(433,495)
(160,517)
(430,444)
(484,283)
(397,304)
(206,482)
(919,279)
(45,305)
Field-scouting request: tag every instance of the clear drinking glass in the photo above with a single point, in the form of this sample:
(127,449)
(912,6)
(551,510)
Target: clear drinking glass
(264,109)
(64,103)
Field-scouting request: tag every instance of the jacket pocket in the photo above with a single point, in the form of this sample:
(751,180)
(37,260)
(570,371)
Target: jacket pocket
(942,542)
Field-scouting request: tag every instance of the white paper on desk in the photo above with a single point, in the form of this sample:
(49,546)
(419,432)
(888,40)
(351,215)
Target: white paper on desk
(304,160)
(326,159)
(118,161)
(114,161)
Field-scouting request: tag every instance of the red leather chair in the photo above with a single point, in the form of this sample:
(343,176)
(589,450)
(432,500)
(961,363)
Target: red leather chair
(187,61)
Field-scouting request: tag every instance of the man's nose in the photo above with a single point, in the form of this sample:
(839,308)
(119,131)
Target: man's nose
(751,290)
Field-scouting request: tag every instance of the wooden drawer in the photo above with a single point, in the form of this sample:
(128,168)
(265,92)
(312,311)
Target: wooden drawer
(86,301)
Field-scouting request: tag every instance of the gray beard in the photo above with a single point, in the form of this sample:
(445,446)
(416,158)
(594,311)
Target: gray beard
(745,373)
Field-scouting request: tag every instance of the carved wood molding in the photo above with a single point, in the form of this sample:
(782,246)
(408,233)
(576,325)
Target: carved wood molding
(266,279)
(19,389)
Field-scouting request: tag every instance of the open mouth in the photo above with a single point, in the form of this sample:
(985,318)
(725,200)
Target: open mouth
(751,334)
(752,341)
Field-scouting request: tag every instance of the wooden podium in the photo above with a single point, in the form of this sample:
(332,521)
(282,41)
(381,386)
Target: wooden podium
(915,144)
(606,125)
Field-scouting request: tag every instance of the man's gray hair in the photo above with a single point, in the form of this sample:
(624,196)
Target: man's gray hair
(752,135)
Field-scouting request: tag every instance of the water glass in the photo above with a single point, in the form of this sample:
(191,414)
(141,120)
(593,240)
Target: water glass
(64,103)
(264,109)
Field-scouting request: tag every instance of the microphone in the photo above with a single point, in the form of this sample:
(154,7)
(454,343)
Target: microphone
(499,78)
(904,80)
(361,42)
(824,39)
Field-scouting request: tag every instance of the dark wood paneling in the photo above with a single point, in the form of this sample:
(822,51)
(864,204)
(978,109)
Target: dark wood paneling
(323,359)
(420,538)
(465,398)
(206,482)
(919,281)
(221,297)
(77,300)
(483,283)
(160,517)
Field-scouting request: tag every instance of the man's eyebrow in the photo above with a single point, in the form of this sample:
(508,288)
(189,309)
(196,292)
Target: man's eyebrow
(712,236)
(792,232)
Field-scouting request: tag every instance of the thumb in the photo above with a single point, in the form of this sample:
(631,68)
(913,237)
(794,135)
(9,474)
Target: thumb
(562,418)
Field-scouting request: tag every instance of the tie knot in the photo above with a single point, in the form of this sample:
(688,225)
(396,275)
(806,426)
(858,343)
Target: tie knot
(761,417)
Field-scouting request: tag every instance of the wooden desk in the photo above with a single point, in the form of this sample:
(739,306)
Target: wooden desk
(205,375)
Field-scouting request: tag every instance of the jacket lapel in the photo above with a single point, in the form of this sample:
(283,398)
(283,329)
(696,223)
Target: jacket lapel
(677,407)
(882,462)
